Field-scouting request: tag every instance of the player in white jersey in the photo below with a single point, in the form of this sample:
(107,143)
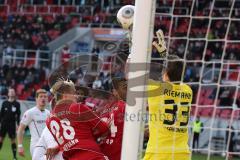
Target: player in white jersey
(35,119)
(45,143)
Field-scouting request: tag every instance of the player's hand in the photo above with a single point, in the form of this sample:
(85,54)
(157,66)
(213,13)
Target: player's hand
(160,45)
(51,152)
(21,151)
(17,128)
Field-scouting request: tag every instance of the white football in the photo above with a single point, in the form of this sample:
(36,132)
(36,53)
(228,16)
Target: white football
(125,16)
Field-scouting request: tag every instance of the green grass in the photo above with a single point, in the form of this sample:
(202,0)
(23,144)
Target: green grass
(204,157)
(6,151)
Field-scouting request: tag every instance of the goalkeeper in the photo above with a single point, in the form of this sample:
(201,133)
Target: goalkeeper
(169,101)
(168,132)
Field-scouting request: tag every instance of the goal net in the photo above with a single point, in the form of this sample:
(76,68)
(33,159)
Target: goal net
(205,35)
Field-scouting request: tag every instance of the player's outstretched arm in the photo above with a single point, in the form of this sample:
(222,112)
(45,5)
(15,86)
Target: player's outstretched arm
(160,45)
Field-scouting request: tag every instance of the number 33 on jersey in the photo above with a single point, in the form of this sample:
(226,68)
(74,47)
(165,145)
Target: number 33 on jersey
(169,110)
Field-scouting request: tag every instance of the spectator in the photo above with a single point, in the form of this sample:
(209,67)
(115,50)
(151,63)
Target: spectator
(95,50)
(106,82)
(65,54)
(118,73)
(225,97)
(81,81)
(97,84)
(29,79)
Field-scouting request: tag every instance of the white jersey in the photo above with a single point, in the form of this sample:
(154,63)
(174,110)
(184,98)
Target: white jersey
(35,119)
(46,141)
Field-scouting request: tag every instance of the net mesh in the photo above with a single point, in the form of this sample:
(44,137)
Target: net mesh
(205,34)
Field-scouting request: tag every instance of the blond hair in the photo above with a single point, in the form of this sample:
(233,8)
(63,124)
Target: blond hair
(62,87)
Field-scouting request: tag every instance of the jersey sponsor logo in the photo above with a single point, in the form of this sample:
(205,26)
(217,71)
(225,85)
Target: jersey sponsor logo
(40,121)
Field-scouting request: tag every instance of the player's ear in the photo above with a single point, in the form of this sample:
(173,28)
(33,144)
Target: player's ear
(165,76)
(114,91)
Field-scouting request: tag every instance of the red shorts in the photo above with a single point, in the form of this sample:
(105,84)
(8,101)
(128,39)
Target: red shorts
(84,155)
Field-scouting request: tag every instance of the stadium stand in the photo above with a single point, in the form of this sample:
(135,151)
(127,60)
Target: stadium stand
(42,21)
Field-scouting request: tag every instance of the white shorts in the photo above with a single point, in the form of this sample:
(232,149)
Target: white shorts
(32,147)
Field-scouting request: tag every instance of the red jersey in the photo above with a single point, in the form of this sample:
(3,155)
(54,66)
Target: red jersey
(112,145)
(73,124)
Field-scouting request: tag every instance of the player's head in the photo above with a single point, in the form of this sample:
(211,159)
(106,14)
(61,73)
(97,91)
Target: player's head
(82,93)
(64,90)
(197,118)
(41,98)
(11,94)
(120,88)
(174,70)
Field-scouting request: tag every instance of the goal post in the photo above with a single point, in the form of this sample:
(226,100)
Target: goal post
(141,51)
(204,35)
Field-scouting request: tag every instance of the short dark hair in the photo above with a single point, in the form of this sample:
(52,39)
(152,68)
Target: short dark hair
(82,93)
(174,69)
(39,91)
(120,85)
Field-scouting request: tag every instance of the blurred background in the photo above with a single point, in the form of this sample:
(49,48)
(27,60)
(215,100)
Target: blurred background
(38,36)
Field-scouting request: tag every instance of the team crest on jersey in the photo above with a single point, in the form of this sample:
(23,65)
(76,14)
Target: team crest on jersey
(14,109)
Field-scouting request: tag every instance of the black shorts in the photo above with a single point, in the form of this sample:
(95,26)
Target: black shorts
(8,128)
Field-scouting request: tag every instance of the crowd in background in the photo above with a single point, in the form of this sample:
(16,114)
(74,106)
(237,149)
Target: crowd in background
(207,36)
(37,30)
(25,79)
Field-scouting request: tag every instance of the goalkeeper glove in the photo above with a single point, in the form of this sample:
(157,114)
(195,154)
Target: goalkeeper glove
(160,45)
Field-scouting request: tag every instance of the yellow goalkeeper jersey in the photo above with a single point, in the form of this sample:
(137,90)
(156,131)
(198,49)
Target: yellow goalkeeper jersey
(169,111)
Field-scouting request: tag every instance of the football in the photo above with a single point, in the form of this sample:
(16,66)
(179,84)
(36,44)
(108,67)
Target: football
(125,16)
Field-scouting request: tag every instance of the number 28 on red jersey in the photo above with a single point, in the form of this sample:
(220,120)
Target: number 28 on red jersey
(63,132)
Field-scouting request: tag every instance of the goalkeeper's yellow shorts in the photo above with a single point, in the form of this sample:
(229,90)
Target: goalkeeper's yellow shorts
(161,156)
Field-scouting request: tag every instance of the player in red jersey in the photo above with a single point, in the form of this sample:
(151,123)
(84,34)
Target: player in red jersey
(112,145)
(74,126)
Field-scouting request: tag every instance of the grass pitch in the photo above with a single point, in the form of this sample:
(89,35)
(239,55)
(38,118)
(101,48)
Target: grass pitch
(6,152)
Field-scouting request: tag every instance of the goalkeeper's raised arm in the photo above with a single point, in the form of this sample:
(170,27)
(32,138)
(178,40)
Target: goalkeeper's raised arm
(160,45)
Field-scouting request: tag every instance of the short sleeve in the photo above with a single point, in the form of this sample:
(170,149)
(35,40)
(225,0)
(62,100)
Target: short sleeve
(27,118)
